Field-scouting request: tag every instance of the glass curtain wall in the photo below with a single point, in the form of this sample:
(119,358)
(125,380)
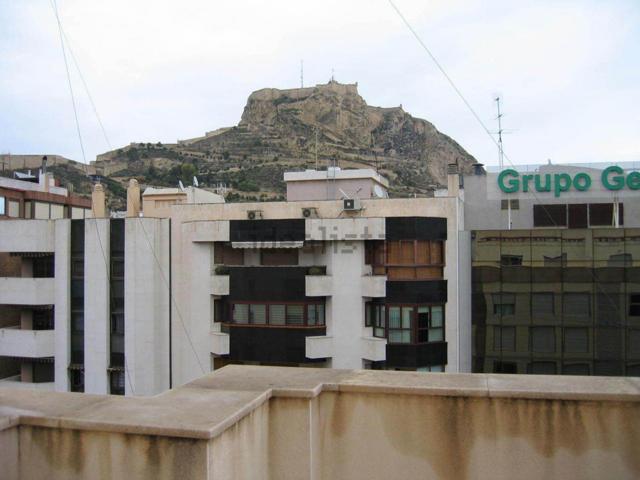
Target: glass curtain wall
(557,301)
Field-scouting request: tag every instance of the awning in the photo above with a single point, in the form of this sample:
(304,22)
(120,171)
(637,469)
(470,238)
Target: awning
(282,244)
(31,254)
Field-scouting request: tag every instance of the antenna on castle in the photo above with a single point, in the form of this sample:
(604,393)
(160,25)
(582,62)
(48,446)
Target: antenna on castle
(301,73)
(332,77)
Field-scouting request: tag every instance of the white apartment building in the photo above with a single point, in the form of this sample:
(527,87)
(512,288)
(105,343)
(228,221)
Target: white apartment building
(143,304)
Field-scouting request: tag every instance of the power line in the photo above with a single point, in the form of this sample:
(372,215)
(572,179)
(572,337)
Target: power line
(84,83)
(66,66)
(484,127)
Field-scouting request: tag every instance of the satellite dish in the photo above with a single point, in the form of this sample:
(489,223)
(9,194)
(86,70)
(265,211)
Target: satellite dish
(379,192)
(181,185)
(195,181)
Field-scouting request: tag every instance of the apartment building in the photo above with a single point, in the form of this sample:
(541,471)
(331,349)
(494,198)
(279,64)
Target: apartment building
(38,196)
(556,269)
(138,305)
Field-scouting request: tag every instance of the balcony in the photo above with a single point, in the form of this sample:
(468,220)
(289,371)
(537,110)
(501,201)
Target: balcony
(319,346)
(219,343)
(374,349)
(374,286)
(26,291)
(27,236)
(27,343)
(15,382)
(220,285)
(319,285)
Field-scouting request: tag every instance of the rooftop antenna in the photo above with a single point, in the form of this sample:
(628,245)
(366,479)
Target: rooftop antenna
(500,148)
(195,181)
(316,147)
(181,185)
(301,73)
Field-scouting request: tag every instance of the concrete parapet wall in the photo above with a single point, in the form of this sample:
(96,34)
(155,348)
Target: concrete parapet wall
(286,423)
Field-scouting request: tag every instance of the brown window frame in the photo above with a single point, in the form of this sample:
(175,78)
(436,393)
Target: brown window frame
(228,321)
(381,248)
(414,327)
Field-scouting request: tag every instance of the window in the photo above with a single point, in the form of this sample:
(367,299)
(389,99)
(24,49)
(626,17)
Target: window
(575,369)
(14,209)
(406,259)
(576,340)
(43,267)
(241,313)
(505,367)
(542,304)
(510,260)
(279,256)
(224,254)
(543,339)
(290,314)
(431,368)
(375,317)
(277,314)
(634,305)
(601,214)
(76,380)
(578,215)
(504,339)
(633,343)
(400,324)
(550,215)
(514,204)
(576,304)
(117,382)
(2,206)
(257,314)
(406,323)
(504,304)
(542,368)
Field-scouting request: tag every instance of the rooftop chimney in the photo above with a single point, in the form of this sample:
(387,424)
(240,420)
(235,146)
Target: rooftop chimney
(133,198)
(98,206)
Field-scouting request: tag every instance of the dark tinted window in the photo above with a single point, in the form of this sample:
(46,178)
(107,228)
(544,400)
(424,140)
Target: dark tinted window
(550,215)
(578,216)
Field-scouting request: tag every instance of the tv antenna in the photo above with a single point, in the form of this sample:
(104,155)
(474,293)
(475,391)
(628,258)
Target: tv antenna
(301,73)
(500,147)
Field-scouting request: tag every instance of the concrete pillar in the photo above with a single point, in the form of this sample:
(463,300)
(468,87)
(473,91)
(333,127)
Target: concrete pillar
(98,202)
(133,199)
(453,180)
(345,308)
(146,305)
(96,305)
(62,303)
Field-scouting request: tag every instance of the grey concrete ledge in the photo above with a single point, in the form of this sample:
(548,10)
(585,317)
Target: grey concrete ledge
(206,407)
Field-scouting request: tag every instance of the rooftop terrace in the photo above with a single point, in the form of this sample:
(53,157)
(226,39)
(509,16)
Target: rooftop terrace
(245,422)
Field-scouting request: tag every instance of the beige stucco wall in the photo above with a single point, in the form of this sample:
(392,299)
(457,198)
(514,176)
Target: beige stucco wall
(291,423)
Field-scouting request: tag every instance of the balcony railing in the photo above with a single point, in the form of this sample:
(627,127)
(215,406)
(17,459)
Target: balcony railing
(26,291)
(27,343)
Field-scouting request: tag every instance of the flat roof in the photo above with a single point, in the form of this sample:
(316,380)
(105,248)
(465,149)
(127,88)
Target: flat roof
(337,174)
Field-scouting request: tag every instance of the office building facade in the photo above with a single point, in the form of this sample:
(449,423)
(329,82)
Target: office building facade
(555,270)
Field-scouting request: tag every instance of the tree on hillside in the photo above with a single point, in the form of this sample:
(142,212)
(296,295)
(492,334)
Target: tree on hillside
(187,172)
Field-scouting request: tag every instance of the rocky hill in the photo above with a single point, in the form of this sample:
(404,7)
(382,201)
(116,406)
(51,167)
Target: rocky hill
(284,130)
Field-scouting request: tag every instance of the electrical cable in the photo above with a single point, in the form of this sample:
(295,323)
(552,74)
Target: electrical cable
(487,131)
(66,66)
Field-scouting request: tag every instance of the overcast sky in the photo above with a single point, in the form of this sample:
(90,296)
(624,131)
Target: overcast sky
(568,71)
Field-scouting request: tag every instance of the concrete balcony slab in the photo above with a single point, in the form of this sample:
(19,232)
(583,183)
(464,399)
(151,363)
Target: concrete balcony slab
(319,347)
(27,343)
(27,291)
(319,285)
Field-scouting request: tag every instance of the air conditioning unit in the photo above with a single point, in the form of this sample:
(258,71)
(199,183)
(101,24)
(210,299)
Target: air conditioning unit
(310,212)
(254,214)
(351,204)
